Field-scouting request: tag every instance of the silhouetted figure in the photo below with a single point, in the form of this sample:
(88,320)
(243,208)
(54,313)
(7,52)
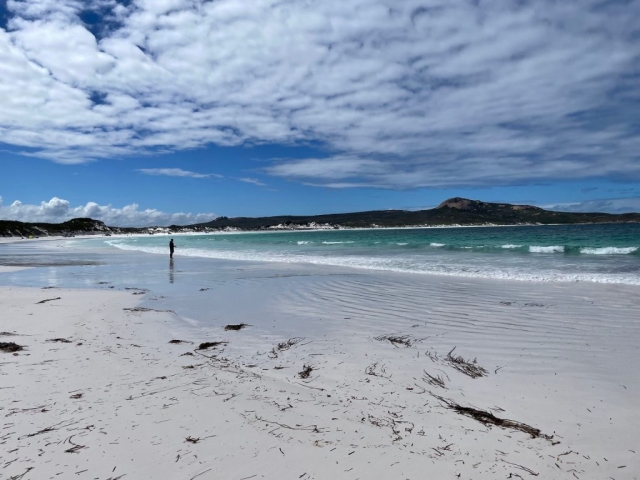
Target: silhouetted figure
(172,247)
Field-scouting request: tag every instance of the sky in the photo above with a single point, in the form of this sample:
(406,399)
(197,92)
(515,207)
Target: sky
(156,112)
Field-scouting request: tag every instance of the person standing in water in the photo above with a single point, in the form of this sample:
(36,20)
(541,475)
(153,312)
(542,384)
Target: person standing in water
(172,247)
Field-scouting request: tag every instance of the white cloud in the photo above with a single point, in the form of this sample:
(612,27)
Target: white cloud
(176,172)
(401,93)
(58,210)
(607,205)
(254,181)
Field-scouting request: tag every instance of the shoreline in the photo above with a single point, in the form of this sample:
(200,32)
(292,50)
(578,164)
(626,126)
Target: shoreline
(558,358)
(15,239)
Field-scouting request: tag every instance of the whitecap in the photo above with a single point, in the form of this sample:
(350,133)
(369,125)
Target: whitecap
(609,250)
(552,249)
(437,244)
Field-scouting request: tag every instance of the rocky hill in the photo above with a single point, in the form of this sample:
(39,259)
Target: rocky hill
(77,226)
(454,212)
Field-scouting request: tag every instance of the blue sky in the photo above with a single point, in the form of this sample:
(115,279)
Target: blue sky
(175,111)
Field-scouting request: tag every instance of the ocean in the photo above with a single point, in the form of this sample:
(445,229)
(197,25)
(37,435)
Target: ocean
(604,253)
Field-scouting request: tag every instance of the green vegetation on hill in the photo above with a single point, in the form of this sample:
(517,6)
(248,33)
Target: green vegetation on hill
(455,211)
(77,226)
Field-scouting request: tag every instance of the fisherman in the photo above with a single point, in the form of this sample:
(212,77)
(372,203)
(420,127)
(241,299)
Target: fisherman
(172,247)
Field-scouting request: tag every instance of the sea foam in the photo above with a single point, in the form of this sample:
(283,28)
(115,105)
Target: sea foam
(387,264)
(609,250)
(552,249)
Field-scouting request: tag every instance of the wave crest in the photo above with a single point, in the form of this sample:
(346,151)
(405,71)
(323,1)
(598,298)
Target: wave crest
(551,249)
(609,250)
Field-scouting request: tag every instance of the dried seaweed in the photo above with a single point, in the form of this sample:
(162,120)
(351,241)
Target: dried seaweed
(283,346)
(59,340)
(375,372)
(145,309)
(436,381)
(10,347)
(239,326)
(395,340)
(488,418)
(468,367)
(306,371)
(48,300)
(207,345)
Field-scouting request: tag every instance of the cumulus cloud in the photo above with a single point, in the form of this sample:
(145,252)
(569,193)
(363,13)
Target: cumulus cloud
(176,172)
(58,210)
(401,94)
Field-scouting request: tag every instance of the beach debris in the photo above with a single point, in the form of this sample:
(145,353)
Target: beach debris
(239,326)
(204,289)
(311,428)
(7,334)
(374,371)
(75,447)
(48,300)
(59,340)
(528,470)
(432,355)
(190,439)
(178,341)
(488,418)
(76,396)
(436,381)
(190,354)
(145,309)
(468,367)
(52,428)
(21,476)
(284,346)
(306,371)
(207,345)
(395,340)
(189,367)
(10,347)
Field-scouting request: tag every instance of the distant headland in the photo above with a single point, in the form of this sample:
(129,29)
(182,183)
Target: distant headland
(452,212)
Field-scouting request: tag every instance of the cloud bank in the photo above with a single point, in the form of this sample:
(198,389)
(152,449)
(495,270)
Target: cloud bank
(58,210)
(400,94)
(608,205)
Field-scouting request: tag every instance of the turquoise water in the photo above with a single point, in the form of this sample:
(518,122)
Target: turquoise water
(596,253)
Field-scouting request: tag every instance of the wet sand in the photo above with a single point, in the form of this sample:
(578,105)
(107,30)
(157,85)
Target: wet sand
(380,395)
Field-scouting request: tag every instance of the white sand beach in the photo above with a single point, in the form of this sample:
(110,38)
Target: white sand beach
(99,392)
